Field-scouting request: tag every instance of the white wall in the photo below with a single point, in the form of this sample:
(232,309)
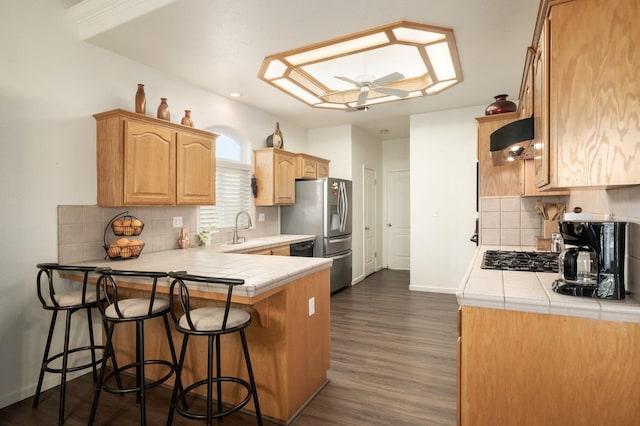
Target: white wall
(334,144)
(367,153)
(50,85)
(443,211)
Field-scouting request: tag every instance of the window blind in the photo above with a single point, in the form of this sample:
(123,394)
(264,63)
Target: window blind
(233,195)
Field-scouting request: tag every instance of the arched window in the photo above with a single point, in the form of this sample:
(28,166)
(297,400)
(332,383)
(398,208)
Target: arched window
(233,183)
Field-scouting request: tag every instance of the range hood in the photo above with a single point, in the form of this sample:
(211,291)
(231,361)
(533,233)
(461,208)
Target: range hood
(511,142)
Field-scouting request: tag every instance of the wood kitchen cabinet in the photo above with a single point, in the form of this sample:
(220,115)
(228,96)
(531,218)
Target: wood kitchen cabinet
(145,161)
(586,79)
(495,181)
(522,368)
(310,167)
(528,186)
(274,251)
(275,175)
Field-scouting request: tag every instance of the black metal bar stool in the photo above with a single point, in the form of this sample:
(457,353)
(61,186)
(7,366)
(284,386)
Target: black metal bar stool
(54,297)
(212,322)
(117,310)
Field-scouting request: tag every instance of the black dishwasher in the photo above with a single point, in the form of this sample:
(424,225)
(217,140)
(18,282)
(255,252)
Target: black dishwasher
(304,249)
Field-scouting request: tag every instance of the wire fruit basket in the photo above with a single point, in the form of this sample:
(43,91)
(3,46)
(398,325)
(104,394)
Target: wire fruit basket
(123,226)
(126,225)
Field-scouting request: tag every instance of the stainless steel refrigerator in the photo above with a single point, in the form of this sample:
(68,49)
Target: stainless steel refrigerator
(323,208)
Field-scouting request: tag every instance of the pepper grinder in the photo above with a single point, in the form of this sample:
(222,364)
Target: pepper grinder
(183,241)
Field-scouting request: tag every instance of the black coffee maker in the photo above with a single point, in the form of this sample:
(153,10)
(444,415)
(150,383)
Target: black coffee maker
(592,263)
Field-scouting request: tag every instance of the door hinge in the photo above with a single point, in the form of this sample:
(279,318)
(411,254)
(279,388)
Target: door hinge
(375,254)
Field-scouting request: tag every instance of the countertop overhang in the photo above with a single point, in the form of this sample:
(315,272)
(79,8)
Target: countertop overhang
(261,273)
(532,292)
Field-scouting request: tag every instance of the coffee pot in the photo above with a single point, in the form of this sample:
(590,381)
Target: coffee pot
(592,263)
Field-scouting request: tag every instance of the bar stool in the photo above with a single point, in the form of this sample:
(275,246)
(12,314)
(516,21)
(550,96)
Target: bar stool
(212,322)
(56,299)
(116,310)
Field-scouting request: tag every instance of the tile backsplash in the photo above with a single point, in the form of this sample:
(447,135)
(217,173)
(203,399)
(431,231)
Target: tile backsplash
(513,220)
(81,229)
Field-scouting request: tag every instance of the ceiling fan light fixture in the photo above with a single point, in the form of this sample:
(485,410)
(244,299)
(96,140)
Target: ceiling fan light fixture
(339,49)
(388,63)
(297,91)
(276,69)
(438,87)
(413,35)
(440,57)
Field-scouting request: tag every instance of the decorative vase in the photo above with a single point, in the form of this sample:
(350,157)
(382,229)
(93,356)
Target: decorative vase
(163,110)
(500,106)
(184,241)
(141,100)
(186,120)
(275,140)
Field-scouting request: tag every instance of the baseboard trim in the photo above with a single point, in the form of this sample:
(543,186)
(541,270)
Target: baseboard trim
(433,289)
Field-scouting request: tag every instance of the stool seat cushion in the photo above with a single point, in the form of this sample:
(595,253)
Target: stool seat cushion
(210,319)
(72,298)
(136,307)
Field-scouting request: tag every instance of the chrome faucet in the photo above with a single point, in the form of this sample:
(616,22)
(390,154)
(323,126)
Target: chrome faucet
(236,239)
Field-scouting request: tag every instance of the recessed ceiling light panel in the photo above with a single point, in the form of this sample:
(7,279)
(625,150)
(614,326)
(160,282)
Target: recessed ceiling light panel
(383,64)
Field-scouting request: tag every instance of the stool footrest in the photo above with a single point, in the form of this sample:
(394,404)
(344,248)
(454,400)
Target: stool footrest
(77,367)
(203,416)
(147,385)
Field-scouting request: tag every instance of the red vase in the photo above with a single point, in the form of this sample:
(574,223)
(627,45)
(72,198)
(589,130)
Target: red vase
(500,106)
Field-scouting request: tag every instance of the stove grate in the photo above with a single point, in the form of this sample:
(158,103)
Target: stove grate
(529,261)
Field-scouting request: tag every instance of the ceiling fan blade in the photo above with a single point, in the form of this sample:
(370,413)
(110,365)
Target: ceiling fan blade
(348,80)
(394,92)
(387,79)
(362,97)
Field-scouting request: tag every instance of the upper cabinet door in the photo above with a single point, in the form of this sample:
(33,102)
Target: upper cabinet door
(285,176)
(150,165)
(595,93)
(196,170)
(541,110)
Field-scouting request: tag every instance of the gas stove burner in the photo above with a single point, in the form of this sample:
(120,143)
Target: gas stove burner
(530,261)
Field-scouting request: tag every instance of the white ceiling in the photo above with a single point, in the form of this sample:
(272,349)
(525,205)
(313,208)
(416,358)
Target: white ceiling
(220,44)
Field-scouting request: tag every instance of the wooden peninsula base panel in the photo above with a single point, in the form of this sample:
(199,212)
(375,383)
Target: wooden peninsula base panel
(289,348)
(520,368)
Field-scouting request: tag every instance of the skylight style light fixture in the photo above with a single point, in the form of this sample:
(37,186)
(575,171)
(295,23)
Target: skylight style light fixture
(383,64)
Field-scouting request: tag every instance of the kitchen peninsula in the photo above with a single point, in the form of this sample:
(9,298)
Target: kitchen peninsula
(530,356)
(288,298)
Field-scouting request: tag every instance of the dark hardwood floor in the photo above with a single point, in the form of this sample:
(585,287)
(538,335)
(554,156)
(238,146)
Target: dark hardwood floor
(393,362)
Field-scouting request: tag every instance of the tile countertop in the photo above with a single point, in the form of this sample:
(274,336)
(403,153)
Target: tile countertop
(261,273)
(532,292)
(260,243)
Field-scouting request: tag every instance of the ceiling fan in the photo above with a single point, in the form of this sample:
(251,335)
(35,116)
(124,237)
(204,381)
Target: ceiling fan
(368,82)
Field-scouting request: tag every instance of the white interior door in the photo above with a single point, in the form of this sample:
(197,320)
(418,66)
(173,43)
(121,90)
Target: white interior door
(398,226)
(369,221)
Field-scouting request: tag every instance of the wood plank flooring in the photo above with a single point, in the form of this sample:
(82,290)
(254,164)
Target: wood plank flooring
(392,363)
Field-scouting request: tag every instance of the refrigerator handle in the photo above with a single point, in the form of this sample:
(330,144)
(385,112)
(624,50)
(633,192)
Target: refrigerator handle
(339,240)
(340,206)
(345,206)
(342,256)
